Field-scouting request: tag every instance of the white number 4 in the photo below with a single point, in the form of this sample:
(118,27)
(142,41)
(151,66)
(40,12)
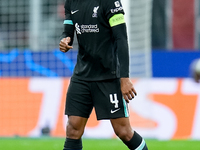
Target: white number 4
(114,101)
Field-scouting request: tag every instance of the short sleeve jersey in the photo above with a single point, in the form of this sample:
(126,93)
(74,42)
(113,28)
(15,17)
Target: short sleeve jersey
(97,57)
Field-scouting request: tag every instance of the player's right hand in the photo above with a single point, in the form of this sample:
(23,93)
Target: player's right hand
(64,44)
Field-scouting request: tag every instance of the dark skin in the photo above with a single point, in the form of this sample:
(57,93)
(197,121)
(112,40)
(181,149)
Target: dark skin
(122,128)
(64,45)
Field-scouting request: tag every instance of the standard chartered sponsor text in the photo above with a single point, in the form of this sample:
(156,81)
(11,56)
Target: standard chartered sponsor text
(89,28)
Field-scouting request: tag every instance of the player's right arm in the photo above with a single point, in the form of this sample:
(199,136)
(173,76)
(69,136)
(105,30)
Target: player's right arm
(64,44)
(68,33)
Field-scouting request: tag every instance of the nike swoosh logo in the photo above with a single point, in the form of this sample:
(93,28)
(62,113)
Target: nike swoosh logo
(113,111)
(73,12)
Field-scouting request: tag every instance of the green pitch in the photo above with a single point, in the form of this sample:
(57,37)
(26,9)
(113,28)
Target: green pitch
(92,144)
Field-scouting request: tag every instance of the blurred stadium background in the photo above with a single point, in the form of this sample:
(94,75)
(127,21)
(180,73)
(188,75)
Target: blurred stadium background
(164,38)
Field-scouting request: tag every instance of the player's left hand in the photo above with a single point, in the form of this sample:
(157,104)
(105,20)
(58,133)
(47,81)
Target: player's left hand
(127,89)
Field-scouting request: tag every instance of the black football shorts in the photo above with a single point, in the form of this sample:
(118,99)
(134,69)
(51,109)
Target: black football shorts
(104,96)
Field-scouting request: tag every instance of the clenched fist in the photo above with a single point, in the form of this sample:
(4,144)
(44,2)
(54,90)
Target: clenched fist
(64,44)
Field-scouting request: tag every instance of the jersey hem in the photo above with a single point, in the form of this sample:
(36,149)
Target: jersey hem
(86,79)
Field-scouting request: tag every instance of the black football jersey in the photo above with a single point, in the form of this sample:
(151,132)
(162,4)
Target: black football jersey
(97,57)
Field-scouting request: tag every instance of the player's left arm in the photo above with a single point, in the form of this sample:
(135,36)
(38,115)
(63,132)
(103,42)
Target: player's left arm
(118,26)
